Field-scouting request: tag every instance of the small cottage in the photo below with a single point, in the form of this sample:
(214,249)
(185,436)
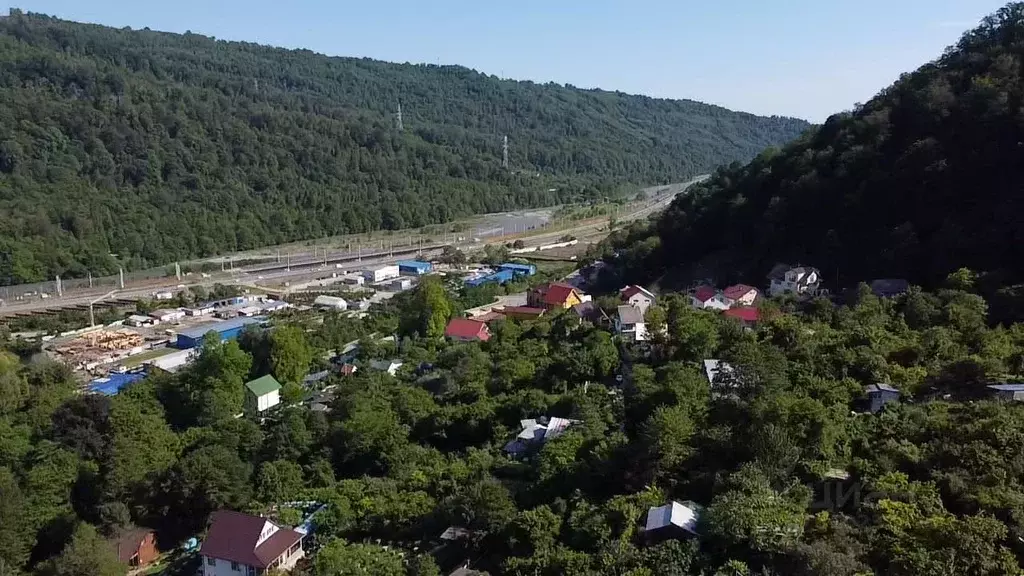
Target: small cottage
(262,394)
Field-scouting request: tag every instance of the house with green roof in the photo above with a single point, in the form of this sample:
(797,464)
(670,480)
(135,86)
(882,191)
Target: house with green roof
(262,394)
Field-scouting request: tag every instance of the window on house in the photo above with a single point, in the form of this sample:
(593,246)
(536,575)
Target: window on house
(236,567)
(211,561)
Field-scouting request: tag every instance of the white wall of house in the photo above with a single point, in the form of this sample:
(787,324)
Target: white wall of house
(632,332)
(268,401)
(716,303)
(640,301)
(745,300)
(218,567)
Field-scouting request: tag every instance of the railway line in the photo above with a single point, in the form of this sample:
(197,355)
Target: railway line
(80,301)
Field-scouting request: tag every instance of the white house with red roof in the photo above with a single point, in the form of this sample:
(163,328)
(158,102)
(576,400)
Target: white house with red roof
(638,297)
(740,295)
(242,545)
(708,298)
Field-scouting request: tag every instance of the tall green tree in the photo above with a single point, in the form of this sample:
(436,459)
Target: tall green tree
(87,555)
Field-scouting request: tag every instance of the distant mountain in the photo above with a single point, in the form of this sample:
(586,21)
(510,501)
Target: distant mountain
(925,178)
(157,146)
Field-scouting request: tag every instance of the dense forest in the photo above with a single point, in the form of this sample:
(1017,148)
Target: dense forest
(922,180)
(790,481)
(135,148)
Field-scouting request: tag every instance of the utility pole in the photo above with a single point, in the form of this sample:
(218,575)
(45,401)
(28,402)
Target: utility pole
(177,271)
(90,279)
(120,272)
(92,318)
(60,290)
(504,153)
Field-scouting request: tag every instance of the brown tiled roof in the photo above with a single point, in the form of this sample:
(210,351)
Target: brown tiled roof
(233,537)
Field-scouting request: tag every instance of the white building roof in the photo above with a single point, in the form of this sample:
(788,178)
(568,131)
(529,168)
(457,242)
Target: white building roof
(331,301)
(684,516)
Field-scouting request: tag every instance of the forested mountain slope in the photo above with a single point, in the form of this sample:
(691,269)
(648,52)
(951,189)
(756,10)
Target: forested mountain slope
(159,146)
(922,180)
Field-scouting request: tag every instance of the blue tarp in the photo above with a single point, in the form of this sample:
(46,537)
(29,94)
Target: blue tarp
(113,383)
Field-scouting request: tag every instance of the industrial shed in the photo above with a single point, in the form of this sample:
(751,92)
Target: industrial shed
(228,330)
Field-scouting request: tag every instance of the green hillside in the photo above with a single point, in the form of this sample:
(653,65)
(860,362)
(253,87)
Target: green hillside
(157,146)
(922,180)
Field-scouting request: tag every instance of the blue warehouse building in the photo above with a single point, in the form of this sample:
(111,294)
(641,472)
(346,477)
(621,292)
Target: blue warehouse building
(228,330)
(414,267)
(517,269)
(500,277)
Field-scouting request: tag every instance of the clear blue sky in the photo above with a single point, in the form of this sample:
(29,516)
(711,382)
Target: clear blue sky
(805,58)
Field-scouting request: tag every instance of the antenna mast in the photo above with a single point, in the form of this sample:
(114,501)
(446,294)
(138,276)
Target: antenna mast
(504,153)
(398,116)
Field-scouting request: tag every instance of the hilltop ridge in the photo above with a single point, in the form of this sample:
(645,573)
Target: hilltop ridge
(157,146)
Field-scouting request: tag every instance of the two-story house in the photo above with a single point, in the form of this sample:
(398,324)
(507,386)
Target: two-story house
(554,296)
(242,545)
(740,295)
(799,280)
(629,323)
(637,297)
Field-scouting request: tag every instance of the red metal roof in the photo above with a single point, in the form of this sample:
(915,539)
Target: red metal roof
(738,291)
(233,537)
(746,314)
(705,293)
(467,329)
(630,291)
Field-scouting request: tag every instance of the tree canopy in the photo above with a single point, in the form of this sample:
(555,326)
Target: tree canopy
(135,148)
(919,181)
